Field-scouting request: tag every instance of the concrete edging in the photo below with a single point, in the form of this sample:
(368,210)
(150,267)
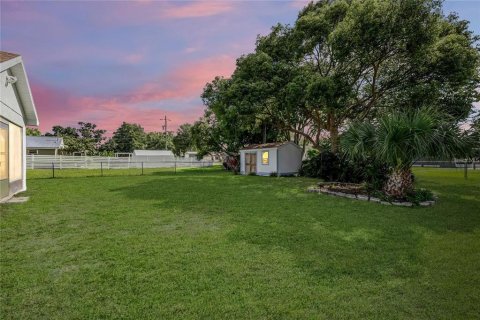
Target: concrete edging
(366,198)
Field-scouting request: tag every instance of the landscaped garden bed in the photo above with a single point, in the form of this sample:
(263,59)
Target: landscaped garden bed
(358,191)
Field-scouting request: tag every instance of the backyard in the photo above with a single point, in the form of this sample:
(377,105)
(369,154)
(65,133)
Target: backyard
(204,243)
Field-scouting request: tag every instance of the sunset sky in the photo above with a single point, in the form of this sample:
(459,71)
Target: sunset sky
(107,62)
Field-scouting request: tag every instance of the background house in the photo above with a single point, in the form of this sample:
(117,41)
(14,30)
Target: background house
(17,110)
(284,158)
(44,145)
(191,155)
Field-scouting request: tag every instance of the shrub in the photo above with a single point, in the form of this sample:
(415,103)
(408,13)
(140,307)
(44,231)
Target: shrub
(273,174)
(420,195)
(332,167)
(324,165)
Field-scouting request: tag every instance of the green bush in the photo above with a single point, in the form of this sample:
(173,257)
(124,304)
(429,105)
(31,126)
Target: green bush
(332,167)
(420,195)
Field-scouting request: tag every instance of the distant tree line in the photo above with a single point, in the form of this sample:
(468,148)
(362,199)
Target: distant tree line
(87,138)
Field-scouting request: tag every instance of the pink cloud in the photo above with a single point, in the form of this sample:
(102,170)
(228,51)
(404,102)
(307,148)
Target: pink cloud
(56,107)
(185,81)
(183,84)
(197,9)
(300,4)
(155,11)
(133,58)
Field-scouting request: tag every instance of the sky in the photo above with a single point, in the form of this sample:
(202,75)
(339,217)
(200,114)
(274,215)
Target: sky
(136,61)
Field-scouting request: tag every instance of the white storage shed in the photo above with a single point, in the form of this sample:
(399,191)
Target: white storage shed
(280,158)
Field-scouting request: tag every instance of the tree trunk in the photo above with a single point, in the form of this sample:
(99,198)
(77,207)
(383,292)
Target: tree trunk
(399,183)
(334,138)
(333,129)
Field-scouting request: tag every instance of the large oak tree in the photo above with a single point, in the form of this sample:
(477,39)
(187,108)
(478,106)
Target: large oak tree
(347,60)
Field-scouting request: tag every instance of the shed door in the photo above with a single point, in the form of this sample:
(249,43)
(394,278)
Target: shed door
(4,170)
(250,162)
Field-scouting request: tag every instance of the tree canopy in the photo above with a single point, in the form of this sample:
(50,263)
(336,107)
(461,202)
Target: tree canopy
(86,138)
(342,61)
(128,137)
(33,132)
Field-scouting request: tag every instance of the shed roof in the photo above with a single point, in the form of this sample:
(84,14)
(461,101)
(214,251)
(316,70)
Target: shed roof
(44,142)
(268,145)
(152,153)
(14,63)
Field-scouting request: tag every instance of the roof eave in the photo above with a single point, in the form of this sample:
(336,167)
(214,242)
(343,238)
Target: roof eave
(23,88)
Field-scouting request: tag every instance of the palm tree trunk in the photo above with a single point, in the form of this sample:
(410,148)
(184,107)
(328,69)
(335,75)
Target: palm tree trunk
(399,183)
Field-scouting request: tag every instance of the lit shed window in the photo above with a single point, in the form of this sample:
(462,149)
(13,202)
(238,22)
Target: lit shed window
(265,157)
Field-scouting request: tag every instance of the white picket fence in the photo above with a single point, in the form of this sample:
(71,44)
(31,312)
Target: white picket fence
(93,162)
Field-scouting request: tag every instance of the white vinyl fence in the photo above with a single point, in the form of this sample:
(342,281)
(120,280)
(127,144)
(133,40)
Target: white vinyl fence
(92,162)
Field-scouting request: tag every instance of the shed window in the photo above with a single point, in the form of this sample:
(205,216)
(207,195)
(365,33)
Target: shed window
(265,157)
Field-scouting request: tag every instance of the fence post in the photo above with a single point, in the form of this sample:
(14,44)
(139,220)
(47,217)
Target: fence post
(53,170)
(33,161)
(142,168)
(101,168)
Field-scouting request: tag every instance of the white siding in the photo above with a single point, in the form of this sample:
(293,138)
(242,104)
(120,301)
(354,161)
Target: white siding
(267,169)
(290,159)
(9,102)
(12,113)
(283,160)
(262,169)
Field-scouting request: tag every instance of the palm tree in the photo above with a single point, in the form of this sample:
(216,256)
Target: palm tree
(399,139)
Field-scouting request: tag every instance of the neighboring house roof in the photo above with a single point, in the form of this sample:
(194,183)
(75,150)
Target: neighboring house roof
(44,142)
(152,153)
(268,145)
(13,62)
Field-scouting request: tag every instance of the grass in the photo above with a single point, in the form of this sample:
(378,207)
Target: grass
(205,244)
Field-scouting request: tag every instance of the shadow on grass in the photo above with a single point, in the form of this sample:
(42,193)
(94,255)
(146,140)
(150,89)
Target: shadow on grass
(329,237)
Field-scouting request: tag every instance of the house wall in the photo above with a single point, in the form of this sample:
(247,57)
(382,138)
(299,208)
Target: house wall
(10,107)
(290,159)
(12,114)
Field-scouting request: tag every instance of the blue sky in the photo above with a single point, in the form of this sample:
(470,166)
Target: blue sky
(114,61)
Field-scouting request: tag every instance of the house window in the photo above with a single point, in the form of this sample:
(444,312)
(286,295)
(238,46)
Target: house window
(265,157)
(16,152)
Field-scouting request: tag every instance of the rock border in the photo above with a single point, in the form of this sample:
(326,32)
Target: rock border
(371,199)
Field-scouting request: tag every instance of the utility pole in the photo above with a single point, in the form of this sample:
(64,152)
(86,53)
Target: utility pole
(164,127)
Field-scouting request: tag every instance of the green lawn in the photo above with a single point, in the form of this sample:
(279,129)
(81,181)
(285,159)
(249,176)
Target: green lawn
(205,244)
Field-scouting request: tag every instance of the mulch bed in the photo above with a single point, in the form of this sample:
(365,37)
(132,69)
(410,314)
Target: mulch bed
(358,192)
